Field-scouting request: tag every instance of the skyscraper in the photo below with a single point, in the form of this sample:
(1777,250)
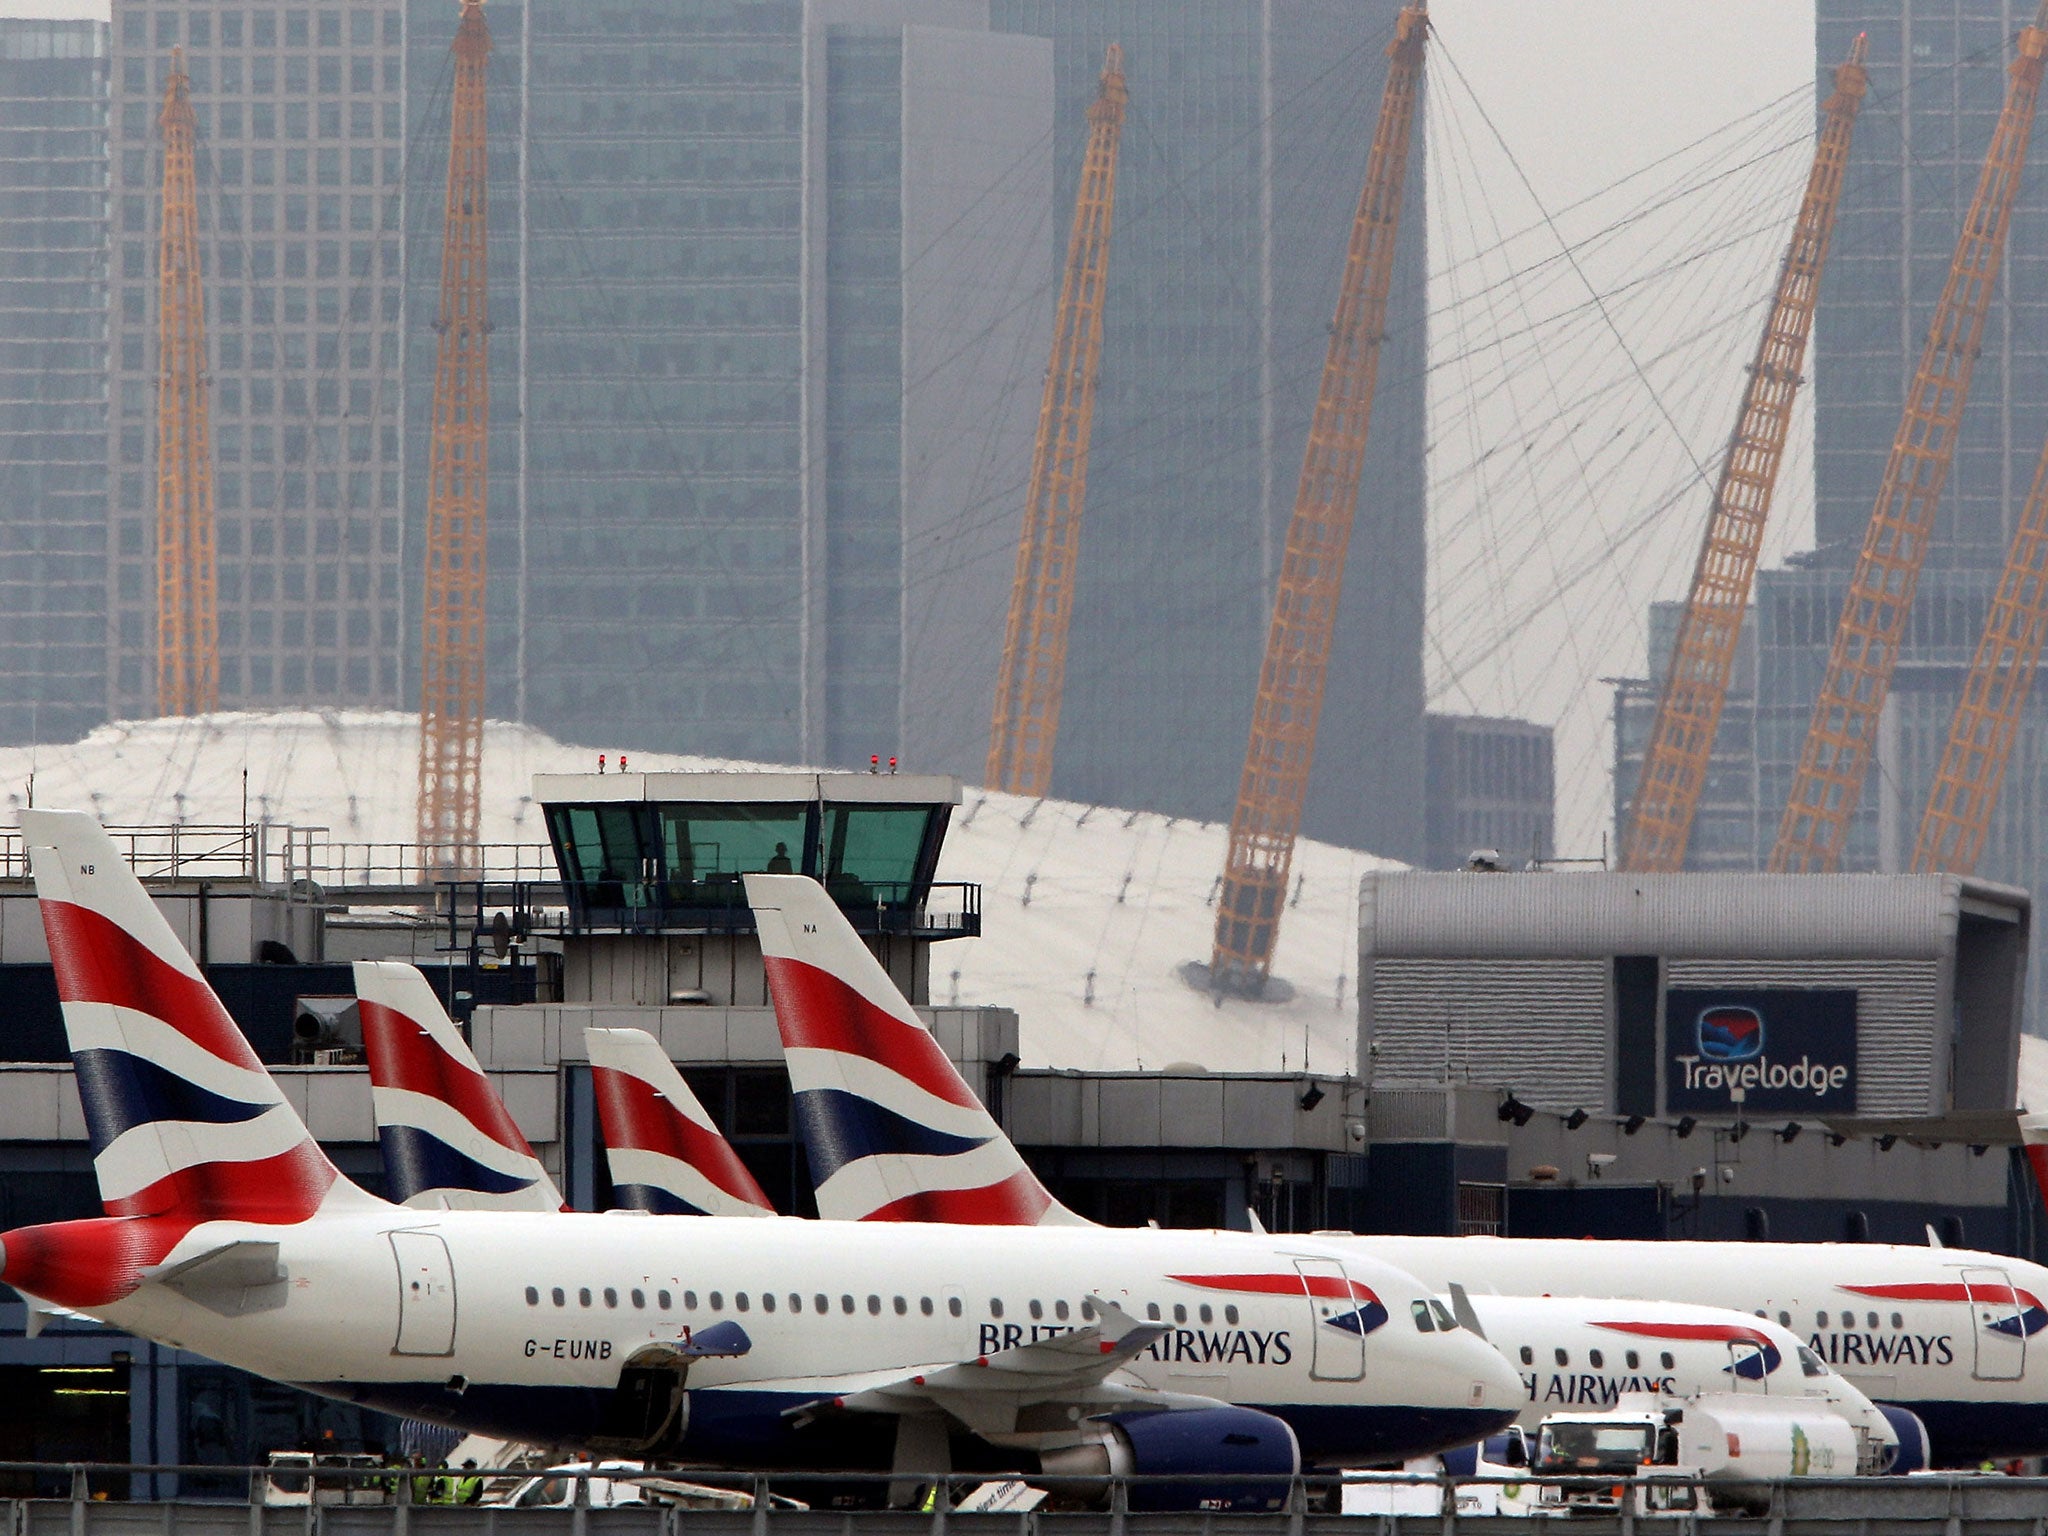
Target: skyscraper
(1243,154)
(755,360)
(53,378)
(300,158)
(1937,83)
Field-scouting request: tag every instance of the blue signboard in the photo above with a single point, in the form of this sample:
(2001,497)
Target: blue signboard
(1777,1050)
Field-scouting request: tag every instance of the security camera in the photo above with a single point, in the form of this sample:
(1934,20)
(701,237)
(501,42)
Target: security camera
(1355,1129)
(1727,1175)
(1699,1180)
(1598,1163)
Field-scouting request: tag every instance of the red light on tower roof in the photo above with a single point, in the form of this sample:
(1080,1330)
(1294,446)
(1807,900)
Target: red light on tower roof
(874,762)
(600,762)
(892,765)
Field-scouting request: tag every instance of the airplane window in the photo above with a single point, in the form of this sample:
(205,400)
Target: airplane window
(1595,1359)
(639,1299)
(533,1296)
(1059,1310)
(1037,1309)
(1759,1311)
(1087,1310)
(611,1297)
(560,1299)
(1230,1314)
(1897,1321)
(1665,1360)
(1820,1319)
(1873,1319)
(1635,1360)
(1784,1319)
(739,1301)
(995,1306)
(874,1306)
(796,1302)
(767,1301)
(846,1305)
(1528,1355)
(1444,1320)
(902,1306)
(717,1302)
(1848,1319)
(583,1296)
(953,1306)
(1424,1323)
(1151,1311)
(1563,1357)
(1810,1363)
(1208,1313)
(924,1305)
(1180,1313)
(663,1300)
(821,1303)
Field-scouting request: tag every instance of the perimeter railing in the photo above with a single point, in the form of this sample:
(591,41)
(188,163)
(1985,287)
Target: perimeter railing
(73,1499)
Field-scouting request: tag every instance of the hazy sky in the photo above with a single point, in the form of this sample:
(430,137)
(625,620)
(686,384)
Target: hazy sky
(1572,442)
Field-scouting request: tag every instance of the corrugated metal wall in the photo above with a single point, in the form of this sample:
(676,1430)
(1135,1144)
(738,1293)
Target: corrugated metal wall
(1536,1026)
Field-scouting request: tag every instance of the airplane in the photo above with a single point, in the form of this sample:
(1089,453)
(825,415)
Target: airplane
(666,1156)
(1573,1353)
(734,1342)
(448,1141)
(1939,1334)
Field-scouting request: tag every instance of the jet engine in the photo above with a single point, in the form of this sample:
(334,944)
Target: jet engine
(1914,1452)
(1253,1457)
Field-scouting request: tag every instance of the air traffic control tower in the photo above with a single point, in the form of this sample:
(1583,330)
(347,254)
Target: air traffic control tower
(654,931)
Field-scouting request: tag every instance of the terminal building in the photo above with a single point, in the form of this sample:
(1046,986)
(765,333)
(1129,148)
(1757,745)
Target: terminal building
(1528,1052)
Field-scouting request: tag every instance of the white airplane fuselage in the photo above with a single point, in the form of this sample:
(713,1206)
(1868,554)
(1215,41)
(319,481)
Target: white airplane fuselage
(518,1324)
(1950,1334)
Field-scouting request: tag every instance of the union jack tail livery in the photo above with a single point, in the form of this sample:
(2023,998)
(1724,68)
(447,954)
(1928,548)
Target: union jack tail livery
(892,1132)
(185,1124)
(666,1155)
(2034,1139)
(448,1142)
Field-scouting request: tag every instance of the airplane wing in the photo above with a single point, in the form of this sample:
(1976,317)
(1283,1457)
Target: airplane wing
(1021,1393)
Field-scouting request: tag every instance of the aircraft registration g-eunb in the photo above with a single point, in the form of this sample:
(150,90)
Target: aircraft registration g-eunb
(738,1341)
(1947,1335)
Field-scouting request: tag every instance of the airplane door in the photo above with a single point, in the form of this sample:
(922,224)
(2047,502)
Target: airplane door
(426,1295)
(1997,1324)
(1337,1333)
(1746,1367)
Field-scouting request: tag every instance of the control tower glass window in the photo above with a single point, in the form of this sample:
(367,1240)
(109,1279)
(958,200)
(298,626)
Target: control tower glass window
(870,853)
(606,852)
(706,848)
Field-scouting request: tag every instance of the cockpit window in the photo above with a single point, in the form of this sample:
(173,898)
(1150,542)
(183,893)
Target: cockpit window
(1424,1323)
(1810,1364)
(1444,1320)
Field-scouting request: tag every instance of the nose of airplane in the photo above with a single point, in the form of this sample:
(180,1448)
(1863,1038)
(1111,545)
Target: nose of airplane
(1495,1383)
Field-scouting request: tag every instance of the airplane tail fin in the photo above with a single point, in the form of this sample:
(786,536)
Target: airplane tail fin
(2034,1141)
(892,1131)
(448,1141)
(185,1123)
(666,1155)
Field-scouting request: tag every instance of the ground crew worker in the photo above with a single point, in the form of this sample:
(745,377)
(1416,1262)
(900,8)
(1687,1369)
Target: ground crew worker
(469,1489)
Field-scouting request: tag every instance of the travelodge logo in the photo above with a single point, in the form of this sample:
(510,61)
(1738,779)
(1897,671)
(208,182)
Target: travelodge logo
(1767,1050)
(1730,1034)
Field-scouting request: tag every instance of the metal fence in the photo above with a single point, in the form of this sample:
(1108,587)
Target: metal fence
(1906,1506)
(280,854)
